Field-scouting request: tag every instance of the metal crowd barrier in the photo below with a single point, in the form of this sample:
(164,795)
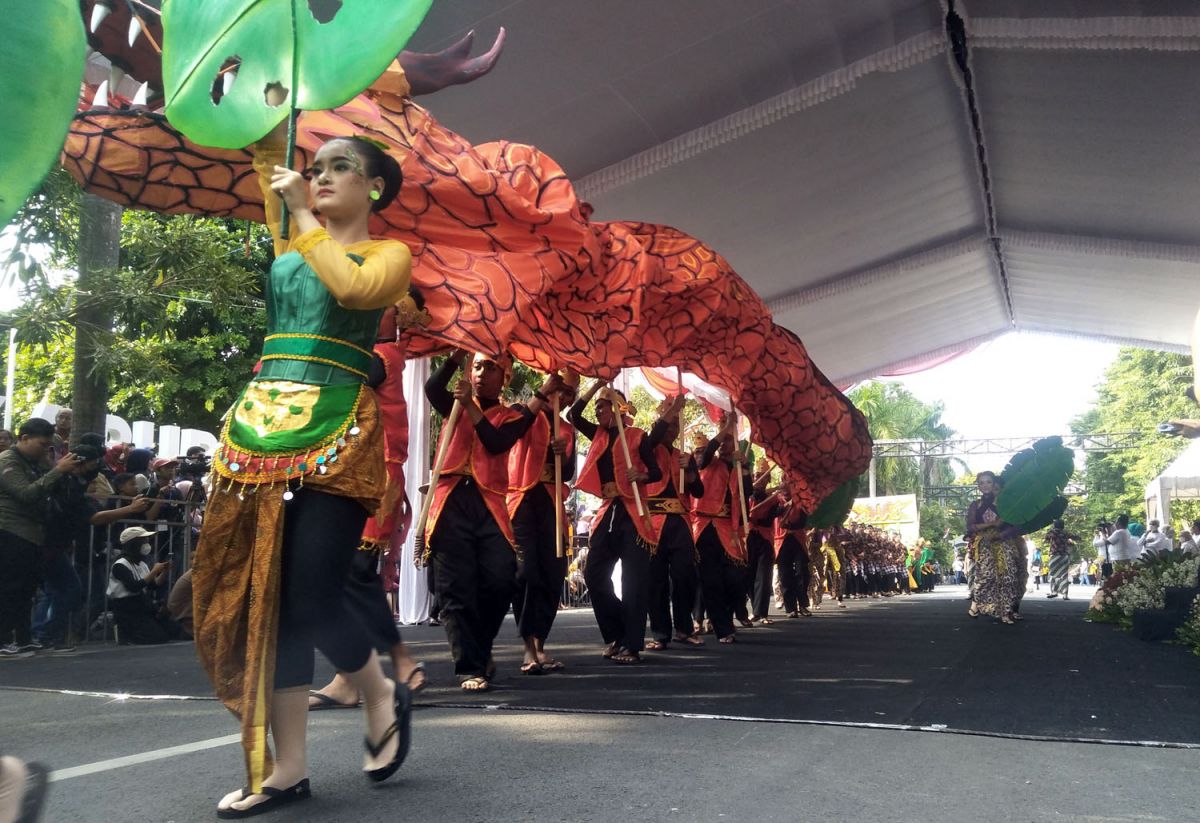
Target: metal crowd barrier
(174,543)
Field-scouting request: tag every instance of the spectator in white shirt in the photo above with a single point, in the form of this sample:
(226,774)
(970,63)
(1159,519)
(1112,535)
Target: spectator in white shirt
(1122,548)
(1187,543)
(1154,540)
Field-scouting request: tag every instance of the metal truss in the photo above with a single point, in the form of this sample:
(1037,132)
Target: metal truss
(1091,443)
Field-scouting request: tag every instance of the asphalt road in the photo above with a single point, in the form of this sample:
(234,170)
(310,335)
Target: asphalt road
(899,709)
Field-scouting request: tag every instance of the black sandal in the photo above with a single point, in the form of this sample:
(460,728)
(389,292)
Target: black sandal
(402,726)
(275,799)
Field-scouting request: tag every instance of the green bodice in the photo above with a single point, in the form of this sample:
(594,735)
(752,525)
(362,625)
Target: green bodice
(310,338)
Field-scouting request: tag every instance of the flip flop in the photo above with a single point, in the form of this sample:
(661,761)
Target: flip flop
(481,684)
(690,640)
(36,781)
(402,727)
(325,702)
(553,666)
(627,658)
(655,645)
(610,650)
(418,667)
(533,668)
(275,799)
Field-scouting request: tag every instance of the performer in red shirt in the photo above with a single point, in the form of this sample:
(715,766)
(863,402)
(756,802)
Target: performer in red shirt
(469,535)
(618,532)
(532,499)
(673,576)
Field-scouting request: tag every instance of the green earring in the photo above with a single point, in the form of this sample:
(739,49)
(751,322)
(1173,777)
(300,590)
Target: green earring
(374,195)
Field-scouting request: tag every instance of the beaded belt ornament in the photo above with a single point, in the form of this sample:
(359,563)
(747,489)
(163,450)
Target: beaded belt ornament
(278,432)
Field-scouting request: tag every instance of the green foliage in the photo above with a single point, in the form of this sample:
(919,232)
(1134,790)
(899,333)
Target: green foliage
(835,508)
(336,51)
(1032,480)
(41,65)
(1141,389)
(186,316)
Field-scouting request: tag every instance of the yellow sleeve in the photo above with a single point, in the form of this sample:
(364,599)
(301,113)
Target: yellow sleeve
(380,281)
(268,154)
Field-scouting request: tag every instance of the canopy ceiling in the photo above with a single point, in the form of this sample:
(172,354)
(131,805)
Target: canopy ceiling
(895,191)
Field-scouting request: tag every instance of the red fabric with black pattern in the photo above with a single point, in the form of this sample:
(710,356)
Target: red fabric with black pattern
(508,259)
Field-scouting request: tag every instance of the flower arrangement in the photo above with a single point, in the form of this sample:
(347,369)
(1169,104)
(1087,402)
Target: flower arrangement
(1142,587)
(1189,633)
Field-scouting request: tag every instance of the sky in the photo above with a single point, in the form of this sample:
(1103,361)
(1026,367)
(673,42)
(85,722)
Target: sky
(1018,385)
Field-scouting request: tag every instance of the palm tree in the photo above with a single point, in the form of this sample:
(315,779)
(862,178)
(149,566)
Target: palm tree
(894,413)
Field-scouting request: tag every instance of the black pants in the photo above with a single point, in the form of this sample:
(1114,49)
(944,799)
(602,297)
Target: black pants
(474,575)
(672,580)
(615,538)
(321,533)
(722,582)
(367,600)
(760,559)
(18,582)
(540,572)
(793,574)
(139,624)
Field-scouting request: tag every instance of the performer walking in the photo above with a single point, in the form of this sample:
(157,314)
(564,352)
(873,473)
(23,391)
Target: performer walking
(760,550)
(719,539)
(367,582)
(532,502)
(1060,541)
(299,470)
(618,531)
(792,552)
(469,534)
(997,554)
(673,564)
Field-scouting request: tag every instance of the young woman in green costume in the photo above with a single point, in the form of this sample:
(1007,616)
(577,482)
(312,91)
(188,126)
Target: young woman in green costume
(300,468)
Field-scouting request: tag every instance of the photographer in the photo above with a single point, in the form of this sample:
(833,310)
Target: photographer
(25,487)
(138,620)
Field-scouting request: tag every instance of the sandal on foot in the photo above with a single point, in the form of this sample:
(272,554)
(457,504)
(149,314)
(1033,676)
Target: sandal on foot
(727,639)
(325,702)
(533,668)
(626,657)
(655,645)
(275,799)
(765,621)
(611,649)
(418,670)
(746,624)
(972,612)
(553,666)
(402,727)
(475,684)
(690,639)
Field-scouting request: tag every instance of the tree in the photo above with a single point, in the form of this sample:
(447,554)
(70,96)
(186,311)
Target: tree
(1141,389)
(177,327)
(895,413)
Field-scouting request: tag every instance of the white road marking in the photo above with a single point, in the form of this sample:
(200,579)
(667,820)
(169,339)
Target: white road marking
(143,757)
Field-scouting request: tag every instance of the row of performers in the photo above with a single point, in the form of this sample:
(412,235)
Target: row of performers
(695,533)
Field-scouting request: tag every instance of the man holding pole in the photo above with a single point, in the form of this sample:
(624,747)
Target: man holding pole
(673,565)
(618,461)
(538,466)
(467,530)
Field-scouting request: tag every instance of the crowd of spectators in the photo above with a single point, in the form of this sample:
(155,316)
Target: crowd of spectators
(92,536)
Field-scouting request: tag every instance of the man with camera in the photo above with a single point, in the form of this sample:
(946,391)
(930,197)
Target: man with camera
(25,488)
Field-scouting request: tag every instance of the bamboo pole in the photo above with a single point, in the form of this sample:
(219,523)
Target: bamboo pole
(438,463)
(637,495)
(679,427)
(558,509)
(737,467)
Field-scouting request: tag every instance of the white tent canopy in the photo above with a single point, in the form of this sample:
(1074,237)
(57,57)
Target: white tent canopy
(899,183)
(1179,481)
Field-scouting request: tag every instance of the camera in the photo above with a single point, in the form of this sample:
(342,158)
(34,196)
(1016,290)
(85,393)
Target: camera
(194,465)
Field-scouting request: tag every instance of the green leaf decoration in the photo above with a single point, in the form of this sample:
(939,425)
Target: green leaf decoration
(1032,479)
(41,66)
(1044,518)
(321,53)
(835,508)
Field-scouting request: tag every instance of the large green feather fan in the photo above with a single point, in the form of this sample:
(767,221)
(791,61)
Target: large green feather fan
(1032,483)
(835,508)
(319,53)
